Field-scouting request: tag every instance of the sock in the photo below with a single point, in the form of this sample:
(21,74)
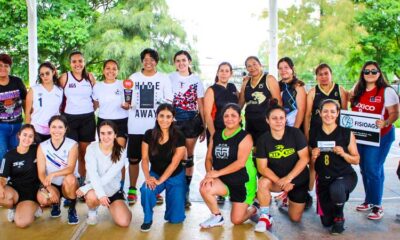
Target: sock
(338,210)
(132,190)
(188,180)
(264,210)
(72,203)
(121,184)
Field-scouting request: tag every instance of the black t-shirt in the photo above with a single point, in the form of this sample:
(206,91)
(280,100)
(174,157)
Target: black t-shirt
(11,96)
(21,168)
(161,161)
(282,154)
(329,164)
(223,96)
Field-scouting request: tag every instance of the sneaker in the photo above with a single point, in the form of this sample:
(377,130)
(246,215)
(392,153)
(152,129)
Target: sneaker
(309,202)
(146,227)
(67,203)
(188,204)
(72,217)
(376,213)
(39,212)
(283,204)
(55,211)
(132,196)
(11,215)
(220,200)
(264,223)
(92,216)
(364,207)
(338,226)
(213,221)
(160,199)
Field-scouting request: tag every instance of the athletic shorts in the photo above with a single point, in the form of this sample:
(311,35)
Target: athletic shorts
(256,128)
(122,126)
(59,188)
(26,191)
(299,193)
(81,127)
(135,146)
(191,128)
(243,193)
(117,196)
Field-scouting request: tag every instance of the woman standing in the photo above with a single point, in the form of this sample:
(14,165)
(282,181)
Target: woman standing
(188,93)
(336,179)
(12,100)
(163,148)
(78,109)
(44,100)
(372,94)
(19,193)
(56,161)
(230,170)
(105,159)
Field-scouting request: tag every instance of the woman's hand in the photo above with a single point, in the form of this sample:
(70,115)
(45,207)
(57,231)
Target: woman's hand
(105,201)
(202,136)
(206,181)
(2,192)
(47,180)
(283,182)
(339,151)
(315,154)
(126,106)
(212,174)
(79,193)
(380,123)
(53,198)
(151,183)
(289,187)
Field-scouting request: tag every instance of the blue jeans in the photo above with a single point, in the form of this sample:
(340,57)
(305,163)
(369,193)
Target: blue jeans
(371,165)
(175,198)
(8,137)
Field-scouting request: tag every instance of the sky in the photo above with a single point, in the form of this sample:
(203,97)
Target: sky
(225,30)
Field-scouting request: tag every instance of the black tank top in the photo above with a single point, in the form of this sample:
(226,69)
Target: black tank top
(319,97)
(329,165)
(257,99)
(223,96)
(225,152)
(289,94)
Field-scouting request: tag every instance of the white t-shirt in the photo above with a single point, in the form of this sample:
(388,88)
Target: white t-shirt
(186,90)
(45,105)
(390,97)
(148,94)
(110,97)
(78,95)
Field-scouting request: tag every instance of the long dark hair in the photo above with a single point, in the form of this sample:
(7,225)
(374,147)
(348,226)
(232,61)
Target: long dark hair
(28,126)
(157,134)
(289,62)
(50,66)
(361,85)
(116,149)
(219,67)
(186,53)
(85,74)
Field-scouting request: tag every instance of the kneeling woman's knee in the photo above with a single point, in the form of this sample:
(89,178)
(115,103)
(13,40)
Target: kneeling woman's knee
(70,181)
(236,220)
(123,221)
(23,222)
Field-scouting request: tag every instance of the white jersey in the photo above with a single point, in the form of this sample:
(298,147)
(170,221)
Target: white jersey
(186,90)
(45,105)
(78,95)
(56,159)
(148,94)
(110,97)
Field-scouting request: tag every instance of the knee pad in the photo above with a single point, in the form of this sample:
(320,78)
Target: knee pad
(188,162)
(134,161)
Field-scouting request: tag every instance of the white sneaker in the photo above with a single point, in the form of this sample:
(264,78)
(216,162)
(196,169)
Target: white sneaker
(92,217)
(39,212)
(11,215)
(213,221)
(264,223)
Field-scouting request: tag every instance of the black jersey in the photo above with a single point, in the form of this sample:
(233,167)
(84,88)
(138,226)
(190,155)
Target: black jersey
(20,168)
(257,99)
(282,154)
(225,152)
(289,93)
(222,96)
(328,164)
(320,95)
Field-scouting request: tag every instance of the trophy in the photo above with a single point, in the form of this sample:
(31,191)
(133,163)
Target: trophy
(128,85)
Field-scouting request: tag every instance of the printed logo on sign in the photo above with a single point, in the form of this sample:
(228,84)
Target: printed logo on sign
(347,121)
(222,151)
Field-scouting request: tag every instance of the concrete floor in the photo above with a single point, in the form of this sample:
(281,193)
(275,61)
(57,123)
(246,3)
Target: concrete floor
(357,225)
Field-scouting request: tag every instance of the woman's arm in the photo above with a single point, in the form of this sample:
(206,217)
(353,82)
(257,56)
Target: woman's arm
(200,103)
(274,88)
(63,80)
(352,157)
(92,172)
(301,102)
(344,98)
(262,167)
(176,160)
(145,160)
(208,160)
(208,106)
(41,165)
(114,170)
(304,159)
(307,117)
(29,106)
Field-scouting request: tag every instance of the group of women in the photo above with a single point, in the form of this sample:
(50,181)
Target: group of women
(278,151)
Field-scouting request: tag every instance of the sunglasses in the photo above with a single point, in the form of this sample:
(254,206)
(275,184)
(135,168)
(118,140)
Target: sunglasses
(373,71)
(45,74)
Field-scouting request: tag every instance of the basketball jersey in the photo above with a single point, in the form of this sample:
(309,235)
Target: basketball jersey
(222,96)
(56,159)
(110,97)
(257,99)
(320,95)
(45,105)
(289,93)
(78,94)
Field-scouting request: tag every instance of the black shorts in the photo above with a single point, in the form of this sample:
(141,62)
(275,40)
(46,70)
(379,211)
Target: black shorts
(135,146)
(241,193)
(299,193)
(59,188)
(122,126)
(81,127)
(256,128)
(26,191)
(191,128)
(120,195)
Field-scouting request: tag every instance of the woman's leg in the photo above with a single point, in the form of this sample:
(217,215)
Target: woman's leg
(296,210)
(189,165)
(209,192)
(175,198)
(25,213)
(241,212)
(148,199)
(120,213)
(10,197)
(91,199)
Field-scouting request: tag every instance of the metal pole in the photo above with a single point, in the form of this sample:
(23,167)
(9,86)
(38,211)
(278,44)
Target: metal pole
(273,37)
(32,40)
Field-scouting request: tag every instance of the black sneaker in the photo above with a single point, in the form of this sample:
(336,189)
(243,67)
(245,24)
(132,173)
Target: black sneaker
(338,226)
(146,227)
(309,201)
(220,200)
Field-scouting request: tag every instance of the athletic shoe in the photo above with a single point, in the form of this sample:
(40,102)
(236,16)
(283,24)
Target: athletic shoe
(264,223)
(188,204)
(220,200)
(364,207)
(338,226)
(92,216)
(39,212)
(283,205)
(72,217)
(213,221)
(55,211)
(132,196)
(67,203)
(160,199)
(376,213)
(309,201)
(146,227)
(11,215)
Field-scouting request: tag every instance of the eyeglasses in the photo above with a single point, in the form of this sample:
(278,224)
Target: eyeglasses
(373,71)
(45,74)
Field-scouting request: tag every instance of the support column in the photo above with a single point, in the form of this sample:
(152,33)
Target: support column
(32,41)
(273,37)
